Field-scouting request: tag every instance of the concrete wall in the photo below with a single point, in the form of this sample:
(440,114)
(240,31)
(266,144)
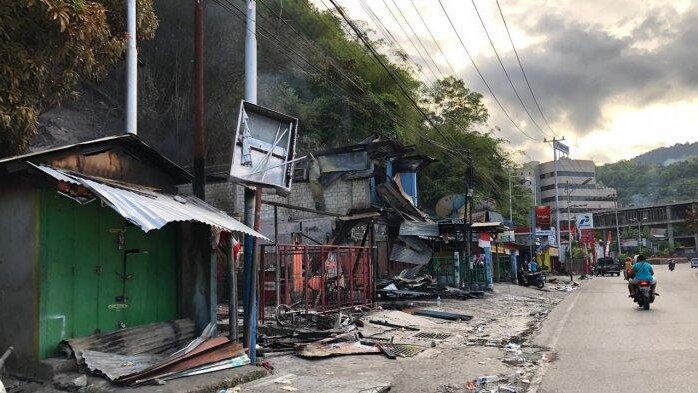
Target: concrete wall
(340,197)
(19,280)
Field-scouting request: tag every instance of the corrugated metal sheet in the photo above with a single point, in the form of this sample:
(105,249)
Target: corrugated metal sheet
(404,254)
(150,209)
(114,366)
(391,193)
(154,338)
(414,228)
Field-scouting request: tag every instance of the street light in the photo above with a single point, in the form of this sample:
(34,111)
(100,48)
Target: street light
(639,232)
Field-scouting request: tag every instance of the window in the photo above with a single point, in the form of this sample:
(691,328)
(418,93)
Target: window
(567,173)
(571,186)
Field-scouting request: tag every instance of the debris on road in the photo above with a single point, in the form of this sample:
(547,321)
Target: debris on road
(444,315)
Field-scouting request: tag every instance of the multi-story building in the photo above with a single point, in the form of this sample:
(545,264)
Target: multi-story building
(577,187)
(526,175)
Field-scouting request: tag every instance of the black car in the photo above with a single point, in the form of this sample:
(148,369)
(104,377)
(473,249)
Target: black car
(606,266)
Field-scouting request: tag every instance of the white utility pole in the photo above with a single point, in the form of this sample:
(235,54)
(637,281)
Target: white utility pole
(511,214)
(131,71)
(557,196)
(251,52)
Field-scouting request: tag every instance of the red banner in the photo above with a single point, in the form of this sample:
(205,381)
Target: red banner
(587,237)
(543,217)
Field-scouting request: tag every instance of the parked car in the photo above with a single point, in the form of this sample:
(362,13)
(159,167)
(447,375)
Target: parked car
(606,266)
(694,262)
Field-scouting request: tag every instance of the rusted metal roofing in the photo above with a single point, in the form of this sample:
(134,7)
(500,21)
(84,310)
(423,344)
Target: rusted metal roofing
(415,228)
(130,140)
(150,209)
(154,338)
(114,366)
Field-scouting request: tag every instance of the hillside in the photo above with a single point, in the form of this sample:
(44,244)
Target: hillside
(640,183)
(310,65)
(668,155)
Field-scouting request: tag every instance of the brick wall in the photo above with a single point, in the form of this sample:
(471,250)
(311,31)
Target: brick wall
(340,197)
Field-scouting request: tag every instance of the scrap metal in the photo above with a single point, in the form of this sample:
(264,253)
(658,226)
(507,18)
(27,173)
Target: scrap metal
(432,335)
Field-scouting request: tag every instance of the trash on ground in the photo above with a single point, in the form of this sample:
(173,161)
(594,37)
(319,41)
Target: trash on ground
(444,315)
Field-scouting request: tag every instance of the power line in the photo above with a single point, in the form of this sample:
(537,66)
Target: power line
(522,68)
(434,39)
(397,82)
(418,39)
(226,4)
(506,73)
(426,63)
(387,70)
(487,85)
(395,43)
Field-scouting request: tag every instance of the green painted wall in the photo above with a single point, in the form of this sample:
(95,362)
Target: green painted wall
(82,270)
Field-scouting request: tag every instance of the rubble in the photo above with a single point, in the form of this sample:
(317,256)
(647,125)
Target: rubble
(70,382)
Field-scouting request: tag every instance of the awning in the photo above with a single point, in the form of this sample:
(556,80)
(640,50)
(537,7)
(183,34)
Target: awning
(150,209)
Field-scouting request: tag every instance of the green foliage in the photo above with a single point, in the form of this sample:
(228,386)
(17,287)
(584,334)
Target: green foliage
(640,183)
(46,48)
(292,79)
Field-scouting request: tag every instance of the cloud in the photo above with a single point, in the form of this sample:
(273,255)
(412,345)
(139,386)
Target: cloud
(579,68)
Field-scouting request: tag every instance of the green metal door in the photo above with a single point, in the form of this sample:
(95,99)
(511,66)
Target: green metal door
(98,274)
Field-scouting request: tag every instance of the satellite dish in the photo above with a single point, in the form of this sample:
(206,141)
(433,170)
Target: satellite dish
(451,206)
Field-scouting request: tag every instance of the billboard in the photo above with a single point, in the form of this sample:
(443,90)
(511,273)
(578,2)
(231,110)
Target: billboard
(561,147)
(585,221)
(543,217)
(263,148)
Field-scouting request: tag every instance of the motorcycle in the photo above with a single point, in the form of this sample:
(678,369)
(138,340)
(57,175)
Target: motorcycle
(644,294)
(537,279)
(672,265)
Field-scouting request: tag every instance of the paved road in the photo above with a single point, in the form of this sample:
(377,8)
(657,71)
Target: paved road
(606,344)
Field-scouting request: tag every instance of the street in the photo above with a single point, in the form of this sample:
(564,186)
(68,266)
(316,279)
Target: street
(603,343)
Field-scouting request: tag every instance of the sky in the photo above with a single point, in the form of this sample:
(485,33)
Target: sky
(616,78)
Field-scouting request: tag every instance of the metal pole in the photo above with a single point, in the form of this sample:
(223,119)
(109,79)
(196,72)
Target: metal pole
(249,292)
(639,238)
(468,233)
(511,214)
(533,230)
(557,202)
(131,70)
(232,293)
(617,227)
(199,160)
(276,254)
(569,227)
(251,52)
(248,276)
(213,283)
(255,276)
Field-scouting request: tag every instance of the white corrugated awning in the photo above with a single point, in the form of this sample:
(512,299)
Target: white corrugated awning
(150,209)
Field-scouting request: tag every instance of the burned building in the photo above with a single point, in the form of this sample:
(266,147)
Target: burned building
(95,238)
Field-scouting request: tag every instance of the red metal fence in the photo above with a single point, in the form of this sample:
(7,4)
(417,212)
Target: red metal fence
(316,277)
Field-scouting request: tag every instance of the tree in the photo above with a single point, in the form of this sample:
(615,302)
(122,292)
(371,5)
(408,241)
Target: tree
(47,47)
(457,111)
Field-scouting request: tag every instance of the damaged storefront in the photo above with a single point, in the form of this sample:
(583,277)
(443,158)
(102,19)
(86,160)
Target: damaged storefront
(96,240)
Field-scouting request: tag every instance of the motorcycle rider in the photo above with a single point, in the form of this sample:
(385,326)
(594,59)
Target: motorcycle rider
(627,267)
(642,271)
(533,266)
